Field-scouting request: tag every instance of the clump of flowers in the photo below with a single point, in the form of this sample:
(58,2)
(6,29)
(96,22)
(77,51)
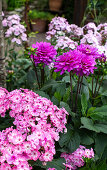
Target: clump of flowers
(65,43)
(62,34)
(45,53)
(76,159)
(78,61)
(14,29)
(38,123)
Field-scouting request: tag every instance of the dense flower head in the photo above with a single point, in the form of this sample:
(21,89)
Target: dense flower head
(68,61)
(90,26)
(38,123)
(76,61)
(64,42)
(45,53)
(75,160)
(89,50)
(59,24)
(14,30)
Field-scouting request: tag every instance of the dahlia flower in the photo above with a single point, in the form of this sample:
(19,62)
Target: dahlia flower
(89,50)
(68,61)
(76,61)
(45,53)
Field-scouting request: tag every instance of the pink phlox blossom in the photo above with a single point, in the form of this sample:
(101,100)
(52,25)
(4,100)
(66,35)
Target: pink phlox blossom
(75,159)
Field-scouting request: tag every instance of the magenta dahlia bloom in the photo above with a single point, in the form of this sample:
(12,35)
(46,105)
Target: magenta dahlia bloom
(75,61)
(87,65)
(89,50)
(68,61)
(45,53)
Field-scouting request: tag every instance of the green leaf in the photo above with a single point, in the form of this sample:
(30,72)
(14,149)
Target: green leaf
(55,100)
(57,96)
(55,163)
(85,90)
(101,109)
(67,108)
(67,95)
(100,144)
(65,138)
(66,79)
(104,93)
(86,139)
(43,94)
(74,142)
(88,124)
(90,111)
(31,77)
(99,116)
(84,104)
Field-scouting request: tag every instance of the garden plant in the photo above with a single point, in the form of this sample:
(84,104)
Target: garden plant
(54,110)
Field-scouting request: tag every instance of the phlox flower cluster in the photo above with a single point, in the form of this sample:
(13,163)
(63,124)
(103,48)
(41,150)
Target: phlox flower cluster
(45,53)
(65,42)
(89,34)
(38,123)
(75,160)
(62,34)
(96,36)
(14,150)
(14,29)
(57,25)
(80,61)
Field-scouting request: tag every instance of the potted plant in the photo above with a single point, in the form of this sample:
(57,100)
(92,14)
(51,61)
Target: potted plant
(39,20)
(55,5)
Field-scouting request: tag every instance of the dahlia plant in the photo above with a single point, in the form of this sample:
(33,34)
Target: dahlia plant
(42,54)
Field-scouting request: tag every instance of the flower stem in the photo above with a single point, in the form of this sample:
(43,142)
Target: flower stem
(35,72)
(76,98)
(80,84)
(99,86)
(42,76)
(96,83)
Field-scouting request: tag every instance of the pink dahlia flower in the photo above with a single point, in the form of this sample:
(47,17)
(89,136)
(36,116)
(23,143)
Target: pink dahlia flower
(45,53)
(68,61)
(87,65)
(89,50)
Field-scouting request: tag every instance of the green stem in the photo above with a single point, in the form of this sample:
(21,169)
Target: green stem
(76,98)
(80,84)
(35,72)
(42,76)
(99,85)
